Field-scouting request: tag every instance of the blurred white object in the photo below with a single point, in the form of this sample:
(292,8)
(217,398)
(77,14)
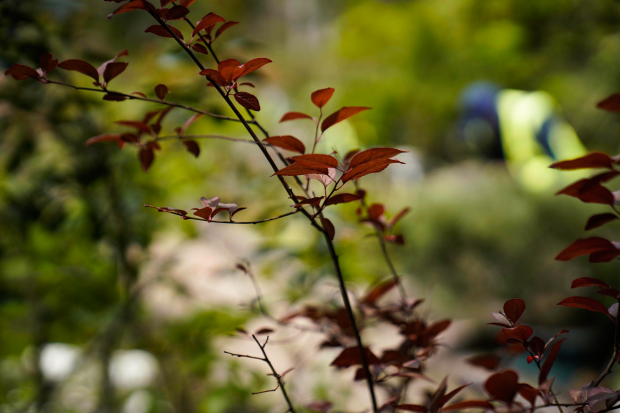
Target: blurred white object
(58,360)
(132,369)
(138,402)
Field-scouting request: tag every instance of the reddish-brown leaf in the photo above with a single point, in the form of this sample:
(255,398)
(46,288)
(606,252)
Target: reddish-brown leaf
(537,346)
(250,84)
(470,404)
(47,63)
(437,328)
(264,331)
(603,256)
(160,91)
(21,72)
(294,115)
(192,147)
(162,32)
(588,282)
(329,228)
(290,143)
(585,247)
(316,160)
(513,309)
(215,76)
(376,211)
(351,356)
(223,28)
(378,292)
(139,94)
(115,97)
(610,292)
(502,386)
(186,3)
(131,6)
(585,303)
(340,115)
(591,160)
(374,154)
(251,66)
(342,199)
(486,361)
(146,156)
(204,213)
(599,220)
(589,192)
(108,137)
(610,104)
(298,169)
(322,96)
(528,392)
(209,20)
(445,399)
(520,333)
(411,408)
(545,369)
(141,126)
(367,169)
(398,217)
(177,12)
(200,48)
(247,100)
(80,66)
(310,201)
(113,69)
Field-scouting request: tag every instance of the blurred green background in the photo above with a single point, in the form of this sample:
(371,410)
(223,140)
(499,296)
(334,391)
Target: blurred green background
(91,282)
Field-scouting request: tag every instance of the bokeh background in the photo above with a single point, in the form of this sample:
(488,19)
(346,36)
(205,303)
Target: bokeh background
(108,306)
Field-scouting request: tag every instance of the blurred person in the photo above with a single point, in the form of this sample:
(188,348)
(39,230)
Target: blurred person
(521,128)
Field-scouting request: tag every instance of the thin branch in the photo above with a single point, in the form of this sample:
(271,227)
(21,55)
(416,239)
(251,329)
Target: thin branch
(265,358)
(614,355)
(289,191)
(134,97)
(220,137)
(230,222)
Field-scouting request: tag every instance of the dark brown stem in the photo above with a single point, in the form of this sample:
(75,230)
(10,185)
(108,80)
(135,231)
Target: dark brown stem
(133,97)
(289,191)
(614,355)
(275,374)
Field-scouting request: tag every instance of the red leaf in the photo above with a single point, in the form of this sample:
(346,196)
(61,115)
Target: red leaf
(411,408)
(177,12)
(21,72)
(251,66)
(209,20)
(603,256)
(114,97)
(529,393)
(141,126)
(223,28)
(321,406)
(591,160)
(204,213)
(108,137)
(294,115)
(342,199)
(537,345)
(47,63)
(247,100)
(287,142)
(585,247)
(520,333)
(610,292)
(437,328)
(374,154)
(310,201)
(298,169)
(588,282)
(513,309)
(549,360)
(81,66)
(502,386)
(470,404)
(589,192)
(322,96)
(146,157)
(585,303)
(486,361)
(329,228)
(160,91)
(598,220)
(367,169)
(264,331)
(161,31)
(316,161)
(192,147)
(186,3)
(610,104)
(378,292)
(139,94)
(247,84)
(340,115)
(131,6)
(215,76)
(200,48)
(376,211)
(112,70)
(445,399)
(351,356)
(398,217)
